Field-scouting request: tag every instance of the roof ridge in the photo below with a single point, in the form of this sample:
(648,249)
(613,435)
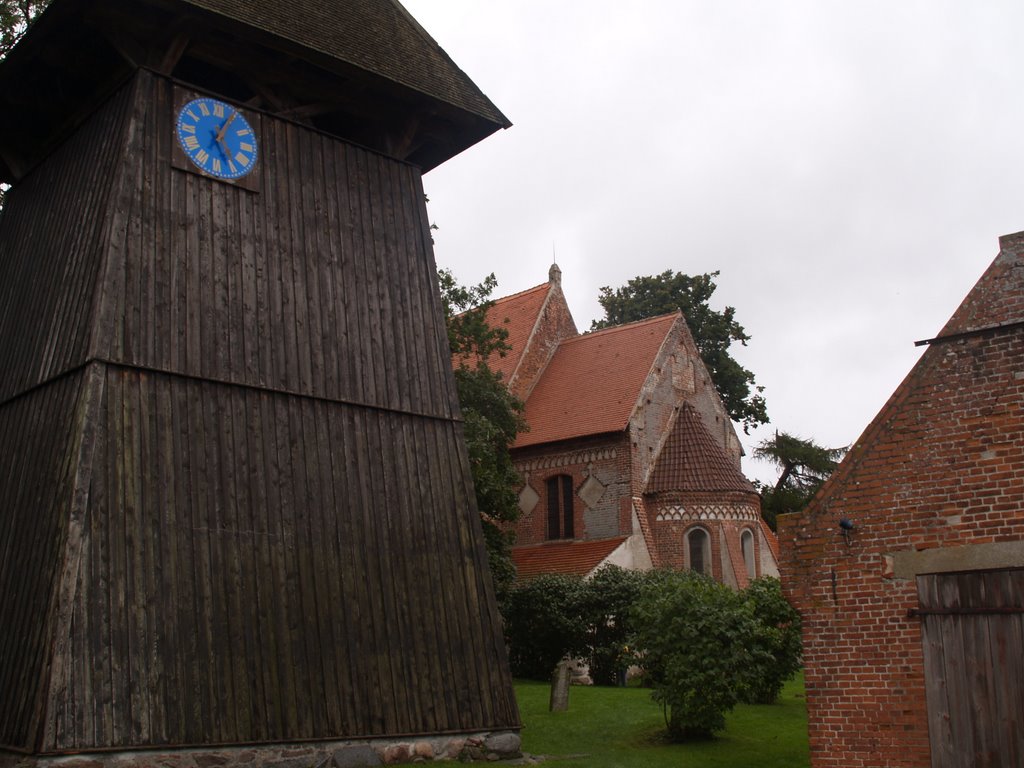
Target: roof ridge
(496,302)
(624,326)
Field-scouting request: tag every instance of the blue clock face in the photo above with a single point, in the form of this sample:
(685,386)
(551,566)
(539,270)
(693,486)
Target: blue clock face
(217,138)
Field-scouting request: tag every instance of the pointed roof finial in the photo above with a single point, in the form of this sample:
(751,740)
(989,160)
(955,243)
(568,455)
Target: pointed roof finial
(555,274)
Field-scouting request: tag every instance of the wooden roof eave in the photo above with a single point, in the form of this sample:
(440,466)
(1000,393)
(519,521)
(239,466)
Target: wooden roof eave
(77,53)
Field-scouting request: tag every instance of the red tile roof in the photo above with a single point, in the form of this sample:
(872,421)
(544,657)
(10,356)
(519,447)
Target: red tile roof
(571,557)
(592,383)
(518,315)
(771,538)
(692,460)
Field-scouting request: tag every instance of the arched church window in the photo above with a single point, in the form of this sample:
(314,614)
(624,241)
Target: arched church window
(747,546)
(699,545)
(560,507)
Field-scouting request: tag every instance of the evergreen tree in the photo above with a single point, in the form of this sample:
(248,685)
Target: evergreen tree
(803,467)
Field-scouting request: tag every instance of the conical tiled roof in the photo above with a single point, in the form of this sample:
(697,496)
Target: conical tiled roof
(692,460)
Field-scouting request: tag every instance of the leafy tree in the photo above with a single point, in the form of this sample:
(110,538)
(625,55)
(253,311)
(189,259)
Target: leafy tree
(803,467)
(776,641)
(713,332)
(693,636)
(15,18)
(492,415)
(544,622)
(609,597)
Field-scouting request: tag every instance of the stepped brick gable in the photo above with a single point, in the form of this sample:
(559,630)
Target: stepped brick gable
(908,566)
(630,458)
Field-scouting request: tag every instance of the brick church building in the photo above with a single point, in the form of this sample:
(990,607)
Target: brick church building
(908,566)
(630,458)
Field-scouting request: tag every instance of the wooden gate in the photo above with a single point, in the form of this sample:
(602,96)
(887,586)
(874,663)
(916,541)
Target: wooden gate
(972,629)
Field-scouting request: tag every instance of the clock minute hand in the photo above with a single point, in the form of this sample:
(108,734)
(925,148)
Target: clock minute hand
(224,129)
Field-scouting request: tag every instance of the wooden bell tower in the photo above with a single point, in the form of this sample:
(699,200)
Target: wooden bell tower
(236,513)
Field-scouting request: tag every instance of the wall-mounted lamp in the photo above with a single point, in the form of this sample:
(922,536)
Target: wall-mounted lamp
(846,525)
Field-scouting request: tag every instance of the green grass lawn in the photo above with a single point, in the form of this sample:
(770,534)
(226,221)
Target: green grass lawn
(623,728)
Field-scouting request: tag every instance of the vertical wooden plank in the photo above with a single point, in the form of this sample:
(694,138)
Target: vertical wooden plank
(209,689)
(190,541)
(171,556)
(347,276)
(352,557)
(328,277)
(980,704)
(364,267)
(117,518)
(321,568)
(1005,589)
(939,726)
(436,499)
(310,257)
(367,509)
(289,574)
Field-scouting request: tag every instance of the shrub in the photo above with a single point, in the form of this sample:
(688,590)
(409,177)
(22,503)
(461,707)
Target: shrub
(694,635)
(543,624)
(775,645)
(610,596)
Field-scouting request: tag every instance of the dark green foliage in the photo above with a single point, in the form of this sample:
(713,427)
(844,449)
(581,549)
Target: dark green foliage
(694,641)
(713,332)
(776,641)
(15,18)
(492,415)
(609,598)
(803,467)
(544,622)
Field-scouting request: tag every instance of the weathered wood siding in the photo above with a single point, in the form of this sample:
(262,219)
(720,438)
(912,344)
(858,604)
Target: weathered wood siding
(260,567)
(972,631)
(52,238)
(268,530)
(38,481)
(322,283)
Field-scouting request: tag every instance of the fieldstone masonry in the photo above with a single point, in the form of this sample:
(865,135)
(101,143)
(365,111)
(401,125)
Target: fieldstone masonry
(482,747)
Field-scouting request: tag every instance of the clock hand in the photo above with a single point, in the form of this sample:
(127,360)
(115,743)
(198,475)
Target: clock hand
(224,128)
(219,139)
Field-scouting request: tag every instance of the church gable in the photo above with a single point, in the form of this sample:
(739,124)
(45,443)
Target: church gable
(537,320)
(593,383)
(629,448)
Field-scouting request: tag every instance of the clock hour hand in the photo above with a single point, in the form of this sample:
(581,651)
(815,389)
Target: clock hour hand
(223,130)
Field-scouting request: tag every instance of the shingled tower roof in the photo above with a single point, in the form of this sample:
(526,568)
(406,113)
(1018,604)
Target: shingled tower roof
(362,70)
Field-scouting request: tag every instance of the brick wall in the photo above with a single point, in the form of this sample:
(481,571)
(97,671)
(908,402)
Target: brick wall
(605,459)
(940,470)
(554,325)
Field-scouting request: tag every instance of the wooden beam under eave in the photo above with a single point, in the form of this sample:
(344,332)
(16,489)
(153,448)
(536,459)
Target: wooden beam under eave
(175,50)
(399,144)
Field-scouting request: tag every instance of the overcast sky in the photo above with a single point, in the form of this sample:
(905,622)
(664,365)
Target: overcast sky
(847,166)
